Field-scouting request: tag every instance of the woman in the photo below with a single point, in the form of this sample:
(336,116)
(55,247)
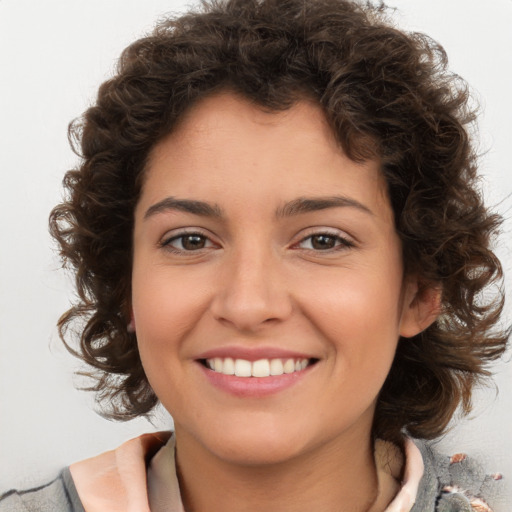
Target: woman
(277,234)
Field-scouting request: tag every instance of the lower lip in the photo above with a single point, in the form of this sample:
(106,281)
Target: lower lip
(253,387)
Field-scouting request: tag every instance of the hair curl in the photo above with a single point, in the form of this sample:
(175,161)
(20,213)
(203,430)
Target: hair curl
(387,94)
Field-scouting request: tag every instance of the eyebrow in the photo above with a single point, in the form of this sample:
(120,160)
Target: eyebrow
(184,205)
(312,204)
(295,207)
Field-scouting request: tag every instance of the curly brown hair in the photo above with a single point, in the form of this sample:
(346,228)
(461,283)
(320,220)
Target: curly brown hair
(387,95)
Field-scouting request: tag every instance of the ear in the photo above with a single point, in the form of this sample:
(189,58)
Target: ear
(421,306)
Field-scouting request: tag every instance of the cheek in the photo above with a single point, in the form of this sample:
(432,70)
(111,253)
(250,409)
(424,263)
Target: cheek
(359,314)
(166,304)
(351,300)
(165,311)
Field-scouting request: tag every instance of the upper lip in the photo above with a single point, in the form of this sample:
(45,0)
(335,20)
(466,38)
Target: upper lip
(253,353)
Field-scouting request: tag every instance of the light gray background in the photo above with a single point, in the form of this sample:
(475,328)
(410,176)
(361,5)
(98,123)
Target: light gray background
(53,56)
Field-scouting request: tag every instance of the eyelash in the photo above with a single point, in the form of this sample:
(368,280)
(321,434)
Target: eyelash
(167,243)
(340,242)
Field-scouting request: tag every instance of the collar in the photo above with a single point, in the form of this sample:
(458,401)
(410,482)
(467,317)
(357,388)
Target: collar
(116,480)
(140,476)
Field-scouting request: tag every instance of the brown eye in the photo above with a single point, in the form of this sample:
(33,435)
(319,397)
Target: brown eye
(193,242)
(323,242)
(187,242)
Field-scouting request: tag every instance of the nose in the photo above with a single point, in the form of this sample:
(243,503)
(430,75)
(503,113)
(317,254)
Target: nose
(252,293)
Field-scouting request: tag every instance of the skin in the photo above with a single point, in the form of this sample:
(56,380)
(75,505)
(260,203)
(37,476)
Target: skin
(258,279)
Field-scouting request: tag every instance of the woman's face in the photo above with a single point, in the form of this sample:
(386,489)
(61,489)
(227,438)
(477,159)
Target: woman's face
(259,247)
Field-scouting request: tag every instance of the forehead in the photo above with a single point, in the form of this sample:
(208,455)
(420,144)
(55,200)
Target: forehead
(218,118)
(227,146)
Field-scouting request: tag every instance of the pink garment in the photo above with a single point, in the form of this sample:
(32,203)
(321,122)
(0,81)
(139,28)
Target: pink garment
(117,480)
(413,472)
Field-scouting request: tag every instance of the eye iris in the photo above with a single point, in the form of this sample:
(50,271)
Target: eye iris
(323,242)
(191,242)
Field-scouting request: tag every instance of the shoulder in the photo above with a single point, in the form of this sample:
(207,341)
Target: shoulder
(105,481)
(59,495)
(457,482)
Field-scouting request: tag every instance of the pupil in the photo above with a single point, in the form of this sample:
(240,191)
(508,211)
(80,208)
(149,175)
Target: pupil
(322,242)
(192,242)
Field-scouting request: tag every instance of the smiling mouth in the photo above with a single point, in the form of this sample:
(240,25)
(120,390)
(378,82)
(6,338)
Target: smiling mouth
(259,368)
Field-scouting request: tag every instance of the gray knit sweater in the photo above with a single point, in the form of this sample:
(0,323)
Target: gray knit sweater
(446,486)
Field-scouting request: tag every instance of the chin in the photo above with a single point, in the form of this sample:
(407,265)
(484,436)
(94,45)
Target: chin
(258,450)
(250,441)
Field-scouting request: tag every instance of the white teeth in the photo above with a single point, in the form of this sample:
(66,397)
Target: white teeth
(276,367)
(228,367)
(243,368)
(260,368)
(289,366)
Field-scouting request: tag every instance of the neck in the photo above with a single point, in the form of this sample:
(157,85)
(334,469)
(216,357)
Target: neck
(339,476)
